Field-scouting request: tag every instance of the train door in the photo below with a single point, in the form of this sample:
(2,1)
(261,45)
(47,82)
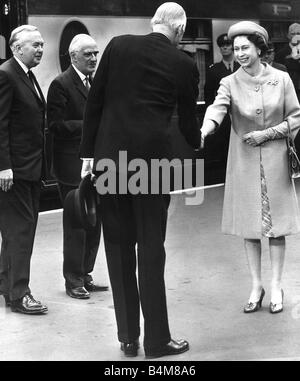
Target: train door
(70,30)
(12,14)
(4,30)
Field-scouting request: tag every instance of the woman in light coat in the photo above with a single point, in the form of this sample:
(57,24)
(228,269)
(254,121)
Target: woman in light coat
(260,199)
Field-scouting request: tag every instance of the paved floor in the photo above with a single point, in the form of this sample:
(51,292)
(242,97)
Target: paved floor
(207,284)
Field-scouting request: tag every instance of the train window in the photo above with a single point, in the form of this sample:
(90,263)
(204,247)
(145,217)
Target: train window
(201,53)
(198,44)
(70,30)
(2,48)
(278,31)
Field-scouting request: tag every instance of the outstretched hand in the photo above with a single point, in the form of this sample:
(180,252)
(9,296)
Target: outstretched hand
(208,127)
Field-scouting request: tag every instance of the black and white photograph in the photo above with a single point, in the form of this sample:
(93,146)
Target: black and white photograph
(149,183)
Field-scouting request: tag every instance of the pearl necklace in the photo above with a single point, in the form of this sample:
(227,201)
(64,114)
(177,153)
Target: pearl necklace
(255,75)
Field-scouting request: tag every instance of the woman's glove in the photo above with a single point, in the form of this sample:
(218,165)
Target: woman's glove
(256,138)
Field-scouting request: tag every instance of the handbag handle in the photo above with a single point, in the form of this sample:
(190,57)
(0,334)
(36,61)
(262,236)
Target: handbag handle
(290,140)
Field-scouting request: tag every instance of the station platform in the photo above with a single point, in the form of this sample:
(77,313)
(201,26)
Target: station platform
(207,282)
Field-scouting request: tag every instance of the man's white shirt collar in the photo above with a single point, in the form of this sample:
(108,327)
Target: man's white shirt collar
(82,76)
(229,65)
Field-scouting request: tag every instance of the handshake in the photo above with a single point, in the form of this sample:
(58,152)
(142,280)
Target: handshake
(207,128)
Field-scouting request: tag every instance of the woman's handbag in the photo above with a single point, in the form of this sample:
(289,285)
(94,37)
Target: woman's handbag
(293,160)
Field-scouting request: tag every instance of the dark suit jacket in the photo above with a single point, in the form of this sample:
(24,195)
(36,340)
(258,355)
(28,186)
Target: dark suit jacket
(22,115)
(139,81)
(281,55)
(214,75)
(65,104)
(293,66)
(279,66)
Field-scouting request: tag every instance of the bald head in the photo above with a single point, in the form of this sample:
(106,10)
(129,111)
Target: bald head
(83,52)
(170,19)
(79,41)
(294,30)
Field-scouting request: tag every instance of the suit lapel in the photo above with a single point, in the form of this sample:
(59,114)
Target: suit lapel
(22,75)
(78,82)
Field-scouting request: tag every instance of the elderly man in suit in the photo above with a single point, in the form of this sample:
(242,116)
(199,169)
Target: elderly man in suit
(65,104)
(137,86)
(22,116)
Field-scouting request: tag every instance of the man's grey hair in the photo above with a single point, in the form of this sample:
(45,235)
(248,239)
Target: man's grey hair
(78,41)
(16,34)
(169,14)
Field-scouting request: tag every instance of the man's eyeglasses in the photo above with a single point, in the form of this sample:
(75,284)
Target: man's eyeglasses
(90,54)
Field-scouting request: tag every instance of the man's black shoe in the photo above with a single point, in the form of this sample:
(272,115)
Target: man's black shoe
(90,286)
(130,349)
(28,305)
(7,301)
(172,348)
(77,292)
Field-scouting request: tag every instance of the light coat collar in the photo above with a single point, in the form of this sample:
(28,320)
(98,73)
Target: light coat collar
(264,77)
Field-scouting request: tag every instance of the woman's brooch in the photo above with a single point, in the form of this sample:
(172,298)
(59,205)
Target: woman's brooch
(273,82)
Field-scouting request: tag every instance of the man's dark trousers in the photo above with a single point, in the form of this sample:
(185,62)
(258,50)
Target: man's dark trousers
(19,212)
(80,247)
(129,220)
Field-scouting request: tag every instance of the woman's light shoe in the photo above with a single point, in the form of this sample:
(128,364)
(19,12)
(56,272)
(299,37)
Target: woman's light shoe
(254,306)
(275,308)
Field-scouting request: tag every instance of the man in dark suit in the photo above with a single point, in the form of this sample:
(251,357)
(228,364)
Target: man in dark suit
(216,148)
(138,83)
(22,116)
(65,104)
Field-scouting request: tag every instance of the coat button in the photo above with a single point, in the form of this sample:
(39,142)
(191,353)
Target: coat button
(258,111)
(257,88)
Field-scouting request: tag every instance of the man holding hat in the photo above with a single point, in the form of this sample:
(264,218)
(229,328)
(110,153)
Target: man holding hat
(65,104)
(218,143)
(139,82)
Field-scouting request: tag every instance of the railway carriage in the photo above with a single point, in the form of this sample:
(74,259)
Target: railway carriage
(60,20)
